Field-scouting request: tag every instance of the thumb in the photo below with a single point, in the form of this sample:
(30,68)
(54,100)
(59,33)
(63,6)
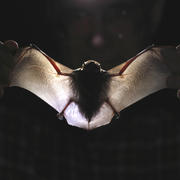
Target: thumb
(11,45)
(173,82)
(178,93)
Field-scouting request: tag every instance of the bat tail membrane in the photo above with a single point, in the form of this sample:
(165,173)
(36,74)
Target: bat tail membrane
(74,116)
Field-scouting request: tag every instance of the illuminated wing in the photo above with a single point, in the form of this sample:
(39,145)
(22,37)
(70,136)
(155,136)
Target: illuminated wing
(50,81)
(42,76)
(129,82)
(138,77)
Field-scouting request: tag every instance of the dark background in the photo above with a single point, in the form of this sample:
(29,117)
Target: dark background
(143,144)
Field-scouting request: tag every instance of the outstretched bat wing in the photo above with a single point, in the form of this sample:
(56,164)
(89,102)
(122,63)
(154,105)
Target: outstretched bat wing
(44,77)
(138,77)
(129,82)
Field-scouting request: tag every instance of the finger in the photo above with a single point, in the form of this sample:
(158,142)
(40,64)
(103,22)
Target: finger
(6,57)
(1,44)
(173,82)
(178,47)
(11,45)
(171,58)
(178,93)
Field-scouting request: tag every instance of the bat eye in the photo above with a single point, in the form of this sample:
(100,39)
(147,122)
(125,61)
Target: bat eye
(92,66)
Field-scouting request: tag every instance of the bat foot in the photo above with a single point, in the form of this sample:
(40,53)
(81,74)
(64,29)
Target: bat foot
(60,116)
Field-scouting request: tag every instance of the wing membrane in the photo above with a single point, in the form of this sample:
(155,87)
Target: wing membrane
(35,73)
(143,76)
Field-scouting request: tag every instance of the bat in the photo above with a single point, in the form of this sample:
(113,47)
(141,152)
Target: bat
(89,97)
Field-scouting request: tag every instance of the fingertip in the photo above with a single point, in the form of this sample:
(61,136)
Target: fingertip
(11,44)
(173,82)
(178,94)
(170,81)
(178,46)
(1,92)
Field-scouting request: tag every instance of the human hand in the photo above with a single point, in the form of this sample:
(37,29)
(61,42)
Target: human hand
(7,51)
(171,57)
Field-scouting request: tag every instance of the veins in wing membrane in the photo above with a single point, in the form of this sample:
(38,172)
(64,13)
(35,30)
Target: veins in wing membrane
(90,89)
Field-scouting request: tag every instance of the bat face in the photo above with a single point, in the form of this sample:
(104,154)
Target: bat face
(89,97)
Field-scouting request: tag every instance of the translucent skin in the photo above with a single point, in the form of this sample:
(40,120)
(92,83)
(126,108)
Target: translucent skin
(88,97)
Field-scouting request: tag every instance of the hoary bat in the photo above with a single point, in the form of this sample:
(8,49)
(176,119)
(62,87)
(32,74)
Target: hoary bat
(89,97)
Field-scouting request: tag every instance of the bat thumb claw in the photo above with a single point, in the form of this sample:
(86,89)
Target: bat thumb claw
(116,115)
(60,116)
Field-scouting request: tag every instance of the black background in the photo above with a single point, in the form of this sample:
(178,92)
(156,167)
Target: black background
(143,144)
